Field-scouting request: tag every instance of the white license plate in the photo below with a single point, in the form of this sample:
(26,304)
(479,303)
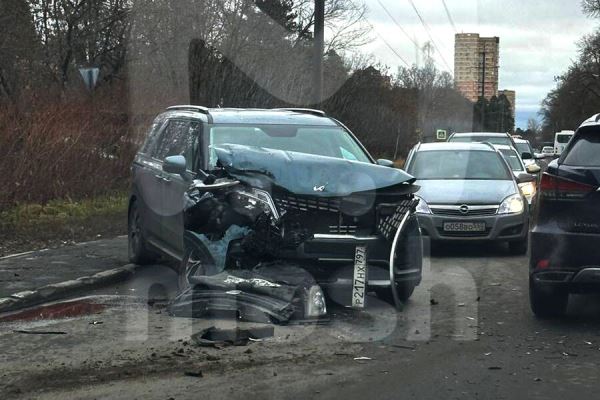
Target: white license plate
(464,226)
(359,283)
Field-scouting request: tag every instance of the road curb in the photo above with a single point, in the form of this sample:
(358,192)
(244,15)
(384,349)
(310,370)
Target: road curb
(60,290)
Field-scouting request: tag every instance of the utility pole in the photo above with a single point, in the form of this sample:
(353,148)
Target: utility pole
(319,48)
(483,54)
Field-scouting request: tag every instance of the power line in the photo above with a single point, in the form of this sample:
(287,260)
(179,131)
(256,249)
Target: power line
(449,16)
(389,46)
(397,24)
(428,31)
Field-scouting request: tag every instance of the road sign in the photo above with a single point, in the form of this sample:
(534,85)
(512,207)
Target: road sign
(441,134)
(90,76)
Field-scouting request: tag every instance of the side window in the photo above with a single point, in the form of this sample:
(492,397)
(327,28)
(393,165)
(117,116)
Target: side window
(173,140)
(193,151)
(153,135)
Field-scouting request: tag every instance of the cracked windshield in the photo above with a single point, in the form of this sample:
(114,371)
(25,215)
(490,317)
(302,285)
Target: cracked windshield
(299,199)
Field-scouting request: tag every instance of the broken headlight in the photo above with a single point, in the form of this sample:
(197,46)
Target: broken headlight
(257,198)
(315,302)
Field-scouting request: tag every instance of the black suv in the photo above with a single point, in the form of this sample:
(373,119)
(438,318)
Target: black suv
(225,189)
(565,239)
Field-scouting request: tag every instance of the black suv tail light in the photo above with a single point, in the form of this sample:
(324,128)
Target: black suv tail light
(555,188)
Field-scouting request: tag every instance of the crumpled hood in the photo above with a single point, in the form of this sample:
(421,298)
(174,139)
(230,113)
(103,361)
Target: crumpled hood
(306,174)
(456,191)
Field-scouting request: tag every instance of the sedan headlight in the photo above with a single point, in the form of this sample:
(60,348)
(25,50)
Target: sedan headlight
(528,189)
(512,205)
(422,207)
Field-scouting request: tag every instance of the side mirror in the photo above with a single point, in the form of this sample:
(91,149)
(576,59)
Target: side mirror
(385,163)
(526,156)
(533,169)
(525,178)
(175,165)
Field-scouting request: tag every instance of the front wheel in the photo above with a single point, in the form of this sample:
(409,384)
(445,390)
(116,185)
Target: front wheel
(137,248)
(547,302)
(404,290)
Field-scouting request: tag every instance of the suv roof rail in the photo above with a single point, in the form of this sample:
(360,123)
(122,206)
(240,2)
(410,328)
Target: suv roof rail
(318,113)
(189,107)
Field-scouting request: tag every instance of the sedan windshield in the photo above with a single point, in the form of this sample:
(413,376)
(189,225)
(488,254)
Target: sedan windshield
(513,160)
(316,140)
(459,164)
(481,139)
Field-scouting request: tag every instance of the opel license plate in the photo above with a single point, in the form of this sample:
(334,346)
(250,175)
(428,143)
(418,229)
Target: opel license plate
(464,226)
(359,283)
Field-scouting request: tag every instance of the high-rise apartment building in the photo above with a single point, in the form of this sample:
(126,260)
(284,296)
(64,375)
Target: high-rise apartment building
(476,61)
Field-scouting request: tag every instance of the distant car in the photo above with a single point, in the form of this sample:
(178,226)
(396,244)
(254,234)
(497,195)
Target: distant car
(518,167)
(489,137)
(561,139)
(565,239)
(548,151)
(468,193)
(523,146)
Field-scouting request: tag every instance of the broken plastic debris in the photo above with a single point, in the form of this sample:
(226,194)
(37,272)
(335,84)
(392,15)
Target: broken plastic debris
(362,359)
(238,337)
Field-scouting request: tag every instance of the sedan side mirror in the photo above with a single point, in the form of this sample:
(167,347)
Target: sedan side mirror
(385,163)
(175,165)
(525,178)
(526,156)
(533,169)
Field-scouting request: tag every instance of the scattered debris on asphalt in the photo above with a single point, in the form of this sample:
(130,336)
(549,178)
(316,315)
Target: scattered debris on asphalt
(362,359)
(215,337)
(270,292)
(402,346)
(26,332)
(434,302)
(194,374)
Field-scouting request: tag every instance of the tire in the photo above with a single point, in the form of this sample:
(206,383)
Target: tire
(547,303)
(138,250)
(518,248)
(196,261)
(405,291)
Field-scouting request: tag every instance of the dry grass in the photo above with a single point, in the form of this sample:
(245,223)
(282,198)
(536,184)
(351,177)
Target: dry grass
(56,149)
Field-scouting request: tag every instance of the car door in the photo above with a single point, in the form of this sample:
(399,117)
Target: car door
(147,174)
(185,141)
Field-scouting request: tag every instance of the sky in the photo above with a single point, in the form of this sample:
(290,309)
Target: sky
(538,38)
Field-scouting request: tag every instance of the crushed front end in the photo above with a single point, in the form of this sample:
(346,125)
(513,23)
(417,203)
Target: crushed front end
(349,226)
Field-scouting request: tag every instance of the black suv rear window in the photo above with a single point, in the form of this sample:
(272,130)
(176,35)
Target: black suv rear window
(585,150)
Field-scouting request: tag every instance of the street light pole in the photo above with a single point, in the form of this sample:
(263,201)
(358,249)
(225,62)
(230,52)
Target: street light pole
(319,48)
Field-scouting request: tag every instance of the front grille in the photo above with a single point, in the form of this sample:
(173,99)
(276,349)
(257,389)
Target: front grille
(387,225)
(342,229)
(442,232)
(455,211)
(296,203)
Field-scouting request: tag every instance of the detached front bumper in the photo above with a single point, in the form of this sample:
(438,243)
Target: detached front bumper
(511,227)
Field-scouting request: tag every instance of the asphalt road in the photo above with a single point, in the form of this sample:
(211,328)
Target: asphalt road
(467,333)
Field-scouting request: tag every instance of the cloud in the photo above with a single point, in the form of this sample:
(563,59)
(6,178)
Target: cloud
(538,38)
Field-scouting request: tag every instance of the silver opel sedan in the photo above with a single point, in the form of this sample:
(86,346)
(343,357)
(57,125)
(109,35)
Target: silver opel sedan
(469,193)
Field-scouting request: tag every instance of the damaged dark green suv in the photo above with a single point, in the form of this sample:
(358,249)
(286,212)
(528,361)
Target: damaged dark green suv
(234,189)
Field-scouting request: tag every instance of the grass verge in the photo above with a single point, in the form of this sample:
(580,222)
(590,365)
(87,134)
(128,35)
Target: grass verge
(61,222)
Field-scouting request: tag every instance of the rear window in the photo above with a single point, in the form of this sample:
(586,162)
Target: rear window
(562,139)
(524,148)
(585,151)
(459,165)
(480,139)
